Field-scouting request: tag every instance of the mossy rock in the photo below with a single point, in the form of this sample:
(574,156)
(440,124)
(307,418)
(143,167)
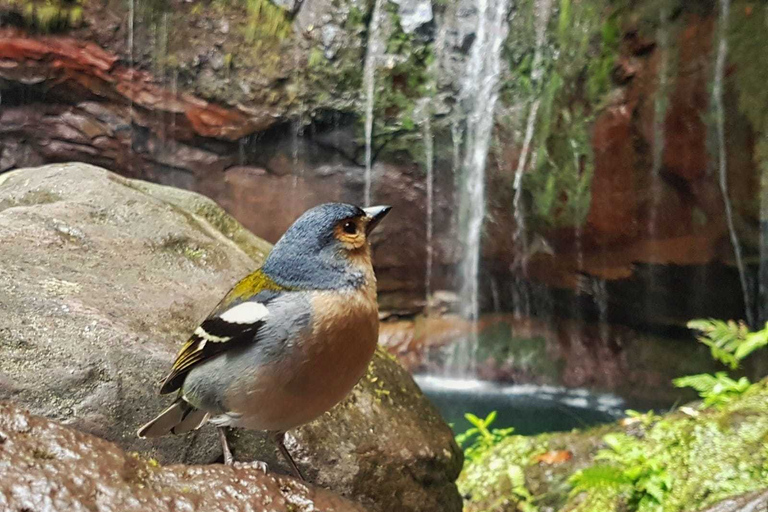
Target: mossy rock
(682,461)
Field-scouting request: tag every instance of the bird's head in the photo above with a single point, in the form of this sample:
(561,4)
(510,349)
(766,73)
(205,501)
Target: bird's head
(326,248)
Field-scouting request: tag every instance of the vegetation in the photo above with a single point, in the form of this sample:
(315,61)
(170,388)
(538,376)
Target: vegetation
(562,77)
(49,15)
(480,436)
(747,22)
(266,20)
(729,343)
(681,461)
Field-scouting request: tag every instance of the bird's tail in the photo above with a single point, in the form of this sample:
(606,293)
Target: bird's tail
(181,417)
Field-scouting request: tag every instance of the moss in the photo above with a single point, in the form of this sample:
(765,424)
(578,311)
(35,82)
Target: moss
(562,81)
(48,16)
(266,20)
(672,463)
(342,74)
(400,83)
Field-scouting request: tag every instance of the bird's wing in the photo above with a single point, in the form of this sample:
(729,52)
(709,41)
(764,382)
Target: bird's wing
(235,320)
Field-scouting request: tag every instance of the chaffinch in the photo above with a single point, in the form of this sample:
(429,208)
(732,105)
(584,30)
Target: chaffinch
(289,341)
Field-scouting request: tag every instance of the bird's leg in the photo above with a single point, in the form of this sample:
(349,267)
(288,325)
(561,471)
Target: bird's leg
(228,459)
(278,438)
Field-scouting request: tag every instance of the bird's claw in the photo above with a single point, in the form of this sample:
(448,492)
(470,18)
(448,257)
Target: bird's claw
(256,464)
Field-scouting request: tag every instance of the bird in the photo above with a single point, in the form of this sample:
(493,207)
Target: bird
(287,342)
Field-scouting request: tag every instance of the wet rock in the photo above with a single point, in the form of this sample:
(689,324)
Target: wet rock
(48,466)
(413,14)
(750,502)
(329,37)
(104,277)
(288,5)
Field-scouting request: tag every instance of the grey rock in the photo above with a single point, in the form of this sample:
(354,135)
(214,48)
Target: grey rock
(414,14)
(217,61)
(329,37)
(750,502)
(288,5)
(104,277)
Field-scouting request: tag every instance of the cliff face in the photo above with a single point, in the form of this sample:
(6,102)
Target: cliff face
(261,108)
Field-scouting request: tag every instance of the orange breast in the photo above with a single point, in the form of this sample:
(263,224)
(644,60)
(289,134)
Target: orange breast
(318,370)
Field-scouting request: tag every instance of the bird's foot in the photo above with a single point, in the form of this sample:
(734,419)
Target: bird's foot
(256,464)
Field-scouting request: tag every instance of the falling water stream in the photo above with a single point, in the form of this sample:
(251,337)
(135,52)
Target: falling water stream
(131,23)
(478,98)
(660,105)
(369,83)
(659,114)
(717,99)
(543,10)
(429,157)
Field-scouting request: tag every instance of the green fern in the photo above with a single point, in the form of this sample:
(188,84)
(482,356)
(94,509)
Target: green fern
(729,342)
(722,338)
(598,477)
(717,389)
(629,467)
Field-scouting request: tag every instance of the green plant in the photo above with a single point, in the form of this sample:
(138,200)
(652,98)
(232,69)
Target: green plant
(480,437)
(729,343)
(717,389)
(630,469)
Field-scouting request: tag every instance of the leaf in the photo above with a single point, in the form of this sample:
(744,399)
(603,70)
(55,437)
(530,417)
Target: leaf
(752,342)
(596,477)
(474,420)
(554,457)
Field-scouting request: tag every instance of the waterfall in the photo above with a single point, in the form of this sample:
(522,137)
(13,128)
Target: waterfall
(131,22)
(600,296)
(478,98)
(659,115)
(660,103)
(429,156)
(369,84)
(717,98)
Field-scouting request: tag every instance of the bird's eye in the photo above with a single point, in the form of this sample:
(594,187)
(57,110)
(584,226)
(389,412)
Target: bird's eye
(350,228)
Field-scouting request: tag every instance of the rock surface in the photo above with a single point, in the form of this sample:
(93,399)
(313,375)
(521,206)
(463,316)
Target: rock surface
(750,502)
(48,467)
(104,277)
(414,14)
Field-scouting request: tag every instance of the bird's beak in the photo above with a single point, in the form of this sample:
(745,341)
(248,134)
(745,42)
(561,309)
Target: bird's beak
(375,214)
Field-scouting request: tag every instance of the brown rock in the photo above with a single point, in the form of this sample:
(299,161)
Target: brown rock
(46,466)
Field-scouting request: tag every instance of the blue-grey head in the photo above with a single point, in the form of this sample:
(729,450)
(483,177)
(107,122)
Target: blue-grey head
(326,248)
